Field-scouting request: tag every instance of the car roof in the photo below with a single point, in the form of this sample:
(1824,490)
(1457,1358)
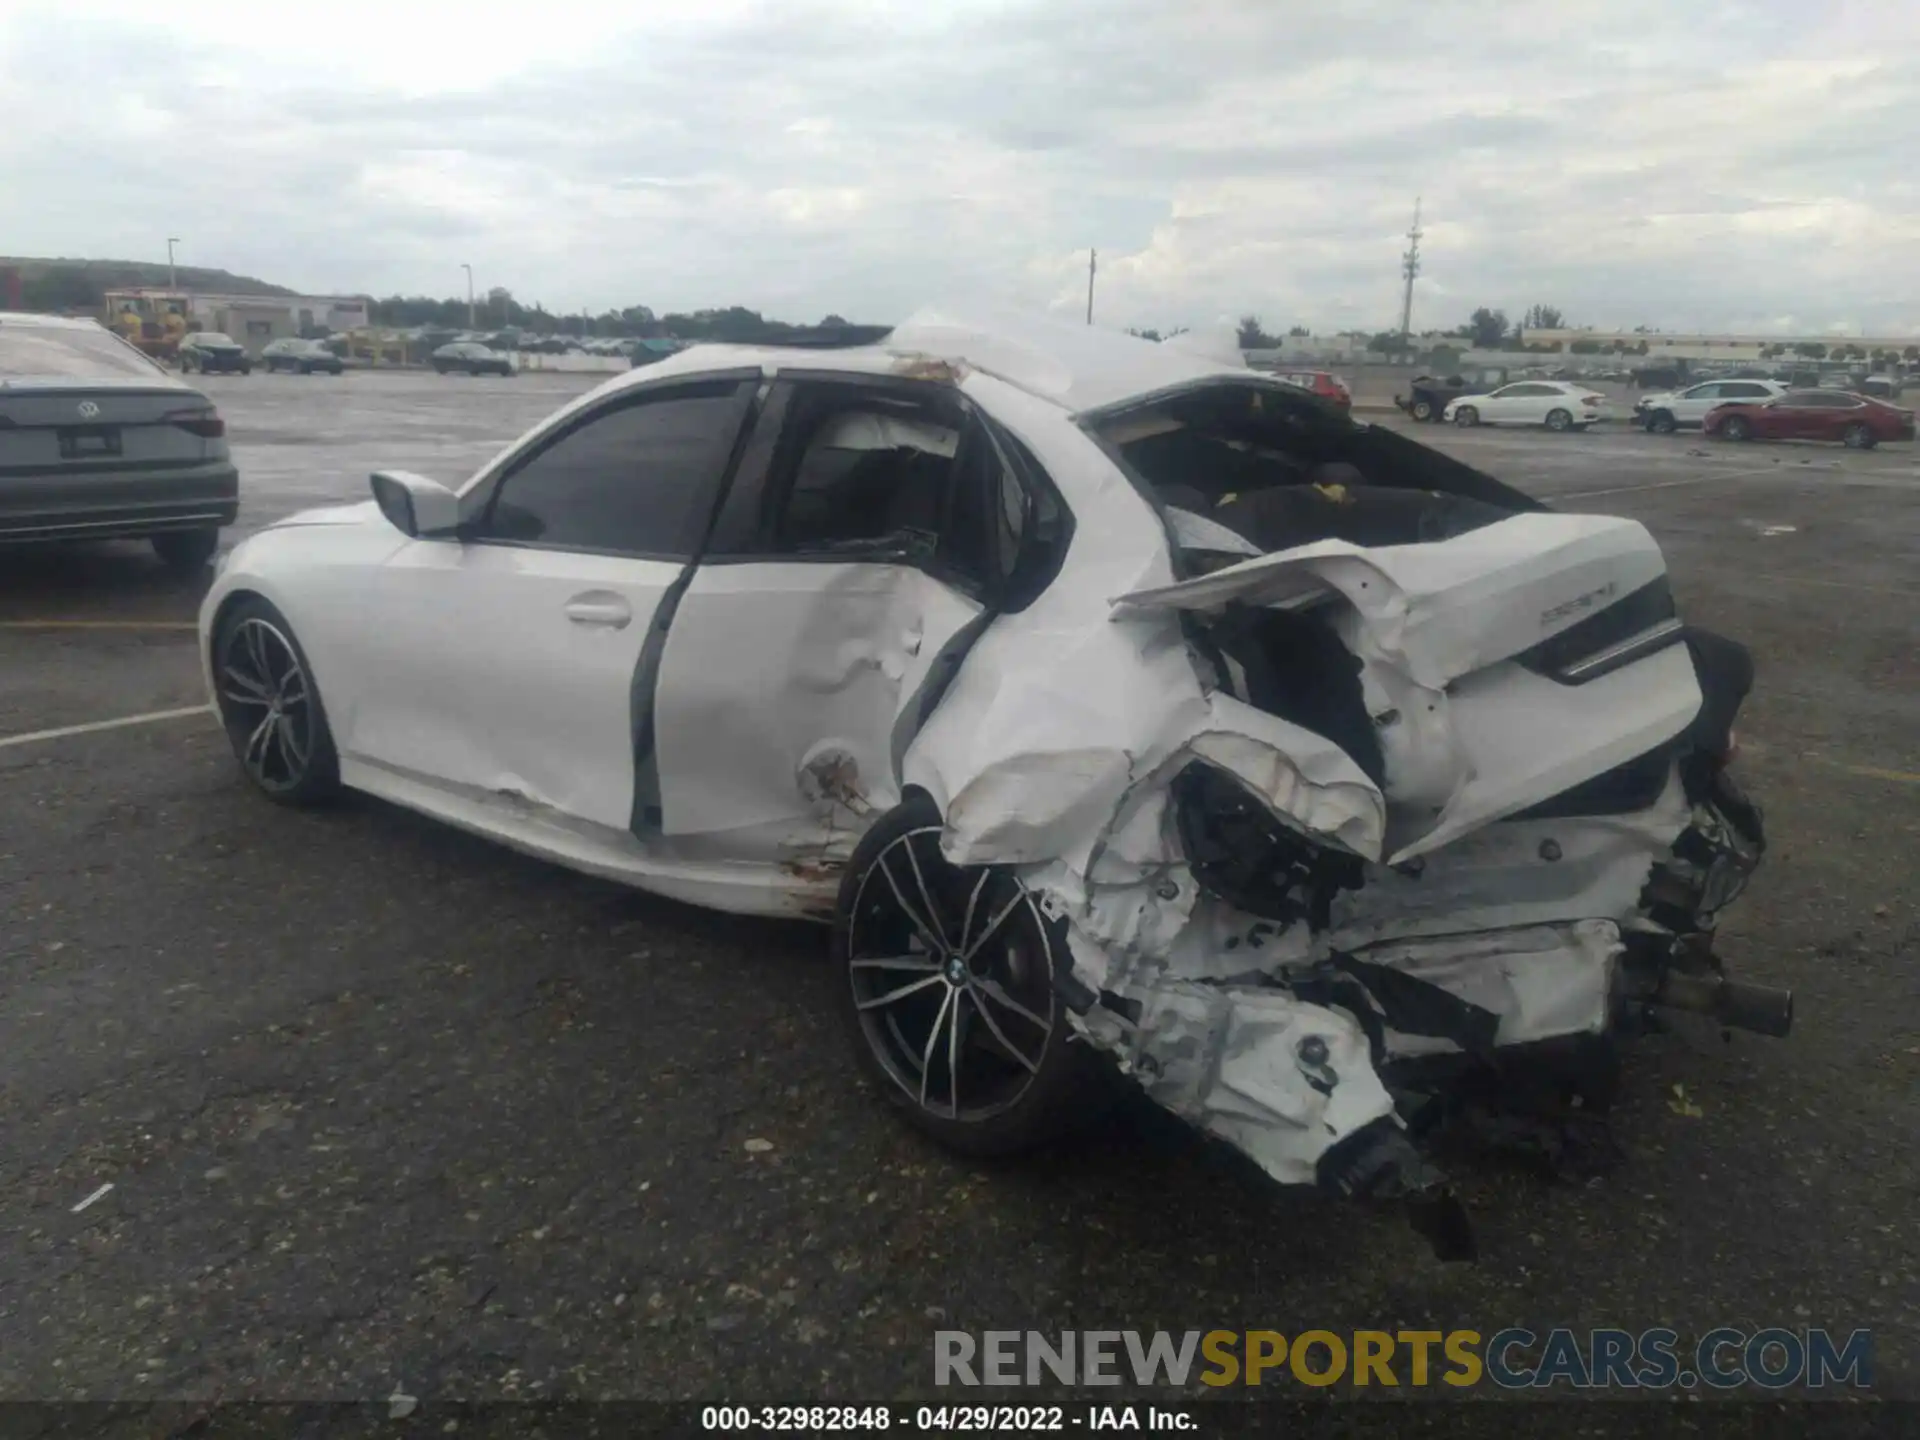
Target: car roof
(51,322)
(1077,367)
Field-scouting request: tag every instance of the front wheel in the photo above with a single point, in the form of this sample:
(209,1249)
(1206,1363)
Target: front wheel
(1559,420)
(1662,423)
(947,984)
(1858,437)
(1423,410)
(270,706)
(1737,427)
(1466,417)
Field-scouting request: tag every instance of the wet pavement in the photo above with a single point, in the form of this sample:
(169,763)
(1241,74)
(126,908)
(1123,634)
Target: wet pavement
(384,1106)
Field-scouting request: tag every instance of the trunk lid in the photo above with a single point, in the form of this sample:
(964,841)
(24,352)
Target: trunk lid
(1501,667)
(81,428)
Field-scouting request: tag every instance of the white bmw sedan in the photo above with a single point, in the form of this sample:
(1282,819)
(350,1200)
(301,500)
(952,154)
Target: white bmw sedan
(1120,709)
(1556,404)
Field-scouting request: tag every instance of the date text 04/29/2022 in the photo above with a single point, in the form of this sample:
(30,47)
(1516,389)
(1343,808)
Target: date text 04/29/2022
(945,1419)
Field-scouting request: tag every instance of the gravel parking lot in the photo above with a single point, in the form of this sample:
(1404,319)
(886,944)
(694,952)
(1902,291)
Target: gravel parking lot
(383,1106)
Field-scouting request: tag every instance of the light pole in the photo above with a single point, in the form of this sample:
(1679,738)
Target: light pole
(172,240)
(472,323)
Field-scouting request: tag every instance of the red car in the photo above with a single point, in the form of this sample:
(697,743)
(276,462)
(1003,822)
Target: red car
(1326,386)
(1859,422)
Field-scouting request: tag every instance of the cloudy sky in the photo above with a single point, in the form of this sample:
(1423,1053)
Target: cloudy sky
(1681,163)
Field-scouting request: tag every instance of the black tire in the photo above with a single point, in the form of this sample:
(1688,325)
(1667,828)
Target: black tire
(186,550)
(1661,422)
(270,706)
(897,994)
(1422,410)
(186,366)
(1466,417)
(1559,420)
(1858,437)
(1736,427)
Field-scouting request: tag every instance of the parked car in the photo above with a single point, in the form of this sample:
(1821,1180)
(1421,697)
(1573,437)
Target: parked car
(470,357)
(1326,385)
(1556,404)
(212,353)
(301,357)
(1428,396)
(1666,411)
(98,442)
(1859,422)
(834,633)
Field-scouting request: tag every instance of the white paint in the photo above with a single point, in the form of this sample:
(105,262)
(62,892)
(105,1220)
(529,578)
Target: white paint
(1669,484)
(96,1195)
(152,717)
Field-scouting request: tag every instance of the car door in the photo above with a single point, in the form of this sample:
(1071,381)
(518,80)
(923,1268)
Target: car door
(1794,416)
(856,559)
(1833,413)
(1498,406)
(501,665)
(1690,406)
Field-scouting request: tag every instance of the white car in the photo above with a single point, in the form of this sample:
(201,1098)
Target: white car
(1115,705)
(1556,404)
(1666,411)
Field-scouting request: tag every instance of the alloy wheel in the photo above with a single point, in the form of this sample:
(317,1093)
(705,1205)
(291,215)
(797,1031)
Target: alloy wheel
(267,703)
(952,976)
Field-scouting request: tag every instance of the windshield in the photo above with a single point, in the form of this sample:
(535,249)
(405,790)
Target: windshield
(69,353)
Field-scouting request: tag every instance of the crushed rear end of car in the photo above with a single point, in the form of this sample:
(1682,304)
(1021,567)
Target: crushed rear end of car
(1374,826)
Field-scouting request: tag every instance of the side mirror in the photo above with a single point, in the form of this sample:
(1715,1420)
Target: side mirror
(415,505)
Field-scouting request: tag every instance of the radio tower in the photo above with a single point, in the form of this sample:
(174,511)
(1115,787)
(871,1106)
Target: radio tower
(1410,267)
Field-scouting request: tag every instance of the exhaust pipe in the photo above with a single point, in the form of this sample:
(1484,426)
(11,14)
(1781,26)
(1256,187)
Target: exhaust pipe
(1763,1009)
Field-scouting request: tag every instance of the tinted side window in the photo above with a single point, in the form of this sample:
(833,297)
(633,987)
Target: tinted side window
(1736,390)
(1713,392)
(637,480)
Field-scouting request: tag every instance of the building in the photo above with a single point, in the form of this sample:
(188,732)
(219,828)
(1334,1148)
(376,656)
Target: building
(1727,347)
(253,320)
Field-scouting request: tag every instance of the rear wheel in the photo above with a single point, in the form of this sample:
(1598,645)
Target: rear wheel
(946,979)
(270,707)
(1858,437)
(1423,410)
(1558,420)
(186,550)
(1466,417)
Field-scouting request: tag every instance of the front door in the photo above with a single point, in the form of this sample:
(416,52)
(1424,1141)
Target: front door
(855,563)
(505,662)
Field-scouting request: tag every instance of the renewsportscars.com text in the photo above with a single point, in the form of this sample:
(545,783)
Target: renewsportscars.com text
(1722,1359)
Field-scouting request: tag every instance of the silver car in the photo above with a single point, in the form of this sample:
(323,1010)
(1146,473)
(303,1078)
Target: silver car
(98,442)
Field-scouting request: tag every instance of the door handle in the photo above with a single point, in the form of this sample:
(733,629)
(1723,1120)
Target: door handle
(600,607)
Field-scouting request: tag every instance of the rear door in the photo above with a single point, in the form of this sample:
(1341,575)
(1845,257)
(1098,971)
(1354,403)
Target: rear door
(851,568)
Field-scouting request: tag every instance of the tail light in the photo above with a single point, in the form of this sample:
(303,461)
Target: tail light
(202,422)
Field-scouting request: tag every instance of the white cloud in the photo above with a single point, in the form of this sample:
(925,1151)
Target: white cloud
(1707,164)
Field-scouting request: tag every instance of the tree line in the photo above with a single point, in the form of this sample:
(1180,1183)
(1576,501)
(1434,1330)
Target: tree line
(499,310)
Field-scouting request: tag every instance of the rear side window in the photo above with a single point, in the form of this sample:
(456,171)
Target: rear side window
(1739,391)
(63,353)
(636,480)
